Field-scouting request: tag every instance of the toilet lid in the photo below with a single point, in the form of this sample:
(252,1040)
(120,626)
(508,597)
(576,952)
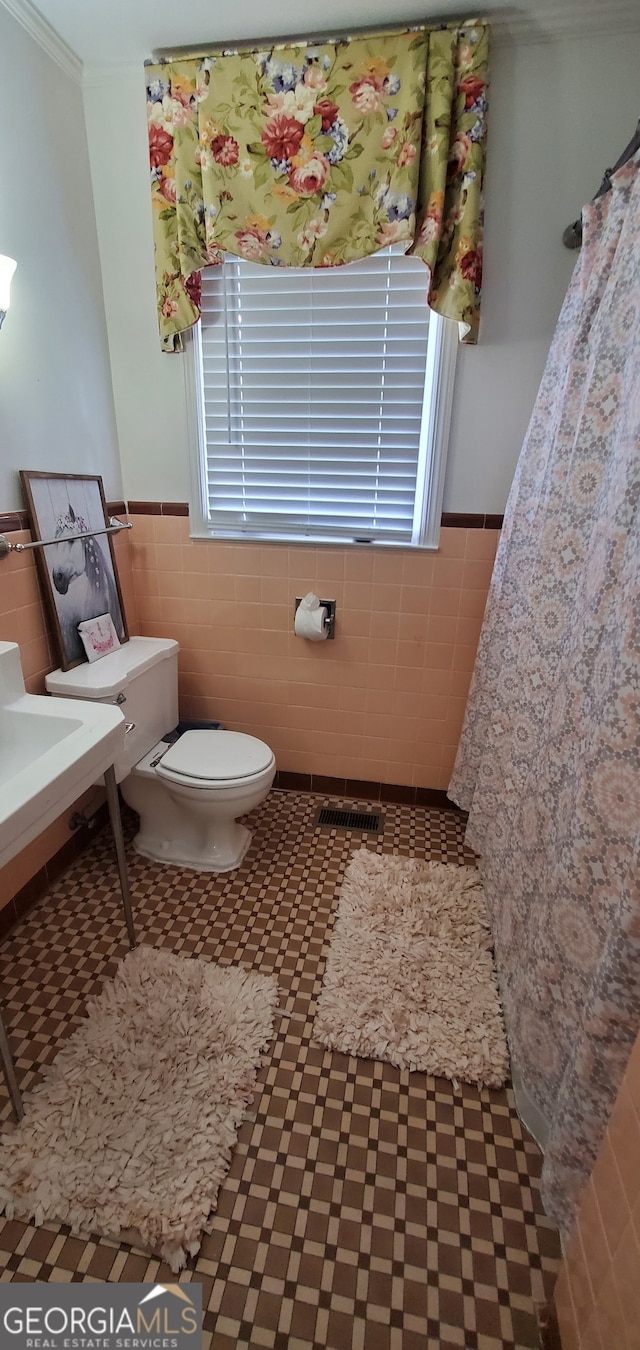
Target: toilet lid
(216,755)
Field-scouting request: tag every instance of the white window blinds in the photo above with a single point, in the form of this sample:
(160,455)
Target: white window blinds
(314,398)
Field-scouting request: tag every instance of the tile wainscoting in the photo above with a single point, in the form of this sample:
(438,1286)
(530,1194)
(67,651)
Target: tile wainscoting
(380,708)
(382,703)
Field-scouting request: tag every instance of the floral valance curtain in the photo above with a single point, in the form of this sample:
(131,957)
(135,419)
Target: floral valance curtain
(314,156)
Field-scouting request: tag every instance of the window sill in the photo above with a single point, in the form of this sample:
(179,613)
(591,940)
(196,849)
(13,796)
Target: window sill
(309,541)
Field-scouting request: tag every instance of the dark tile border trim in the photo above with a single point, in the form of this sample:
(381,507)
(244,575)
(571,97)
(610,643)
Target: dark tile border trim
(450,520)
(38,885)
(10,521)
(158,508)
(145,508)
(365,791)
(454,520)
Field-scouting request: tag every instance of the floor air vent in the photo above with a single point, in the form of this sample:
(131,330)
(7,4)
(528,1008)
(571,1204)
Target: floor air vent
(336,819)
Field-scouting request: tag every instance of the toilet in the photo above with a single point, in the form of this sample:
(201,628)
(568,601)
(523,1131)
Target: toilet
(189,793)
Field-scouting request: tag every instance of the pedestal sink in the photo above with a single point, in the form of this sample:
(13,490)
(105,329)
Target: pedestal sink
(51,751)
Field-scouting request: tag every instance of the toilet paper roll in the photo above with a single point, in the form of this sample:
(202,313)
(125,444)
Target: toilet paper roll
(310,619)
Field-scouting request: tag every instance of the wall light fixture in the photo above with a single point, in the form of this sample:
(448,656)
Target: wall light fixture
(7,269)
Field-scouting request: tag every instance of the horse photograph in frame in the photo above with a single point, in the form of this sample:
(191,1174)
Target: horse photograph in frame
(78,574)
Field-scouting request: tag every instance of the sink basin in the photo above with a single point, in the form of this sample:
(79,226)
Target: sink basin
(51,751)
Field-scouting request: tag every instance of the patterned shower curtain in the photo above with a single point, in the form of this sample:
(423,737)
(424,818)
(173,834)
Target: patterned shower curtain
(549,760)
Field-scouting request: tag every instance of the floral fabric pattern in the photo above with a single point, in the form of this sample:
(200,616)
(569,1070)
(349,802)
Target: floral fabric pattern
(549,760)
(318,156)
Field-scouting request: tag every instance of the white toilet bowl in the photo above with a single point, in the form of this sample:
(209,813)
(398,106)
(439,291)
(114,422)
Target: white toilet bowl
(190,794)
(189,798)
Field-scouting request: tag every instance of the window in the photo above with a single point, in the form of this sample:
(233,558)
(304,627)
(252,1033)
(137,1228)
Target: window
(324,398)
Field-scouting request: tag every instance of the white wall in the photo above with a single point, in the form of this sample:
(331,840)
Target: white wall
(148,384)
(56,399)
(560,113)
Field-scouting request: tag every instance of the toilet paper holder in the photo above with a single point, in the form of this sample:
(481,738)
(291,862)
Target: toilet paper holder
(330,621)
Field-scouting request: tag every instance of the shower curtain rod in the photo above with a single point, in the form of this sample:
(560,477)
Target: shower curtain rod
(572,237)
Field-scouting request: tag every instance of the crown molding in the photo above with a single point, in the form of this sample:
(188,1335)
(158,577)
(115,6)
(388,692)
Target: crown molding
(511,25)
(46,37)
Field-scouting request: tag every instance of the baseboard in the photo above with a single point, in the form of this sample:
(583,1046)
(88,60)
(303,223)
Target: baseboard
(365,790)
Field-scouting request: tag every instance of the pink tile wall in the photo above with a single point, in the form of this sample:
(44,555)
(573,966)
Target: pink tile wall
(23,619)
(597,1295)
(22,615)
(383,702)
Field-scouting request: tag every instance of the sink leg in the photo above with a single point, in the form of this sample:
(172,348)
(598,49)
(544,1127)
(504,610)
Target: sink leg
(10,1073)
(116,826)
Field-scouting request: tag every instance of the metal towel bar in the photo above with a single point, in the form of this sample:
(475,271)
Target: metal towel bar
(112,528)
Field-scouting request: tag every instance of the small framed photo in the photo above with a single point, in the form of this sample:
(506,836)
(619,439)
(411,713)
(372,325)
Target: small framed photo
(98,636)
(77,569)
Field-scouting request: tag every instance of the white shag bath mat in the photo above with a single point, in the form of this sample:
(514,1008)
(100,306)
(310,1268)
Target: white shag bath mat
(410,976)
(134,1124)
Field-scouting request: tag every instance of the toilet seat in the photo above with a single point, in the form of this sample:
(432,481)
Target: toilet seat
(192,821)
(207,759)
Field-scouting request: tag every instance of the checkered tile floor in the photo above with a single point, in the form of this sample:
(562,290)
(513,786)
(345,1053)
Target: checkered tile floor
(366,1208)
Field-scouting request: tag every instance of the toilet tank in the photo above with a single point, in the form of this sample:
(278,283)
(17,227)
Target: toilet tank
(141,677)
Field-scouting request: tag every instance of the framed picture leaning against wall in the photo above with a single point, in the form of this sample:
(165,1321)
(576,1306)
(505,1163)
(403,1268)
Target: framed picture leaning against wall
(78,574)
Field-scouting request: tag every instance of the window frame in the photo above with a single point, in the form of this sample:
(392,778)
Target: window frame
(440,371)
